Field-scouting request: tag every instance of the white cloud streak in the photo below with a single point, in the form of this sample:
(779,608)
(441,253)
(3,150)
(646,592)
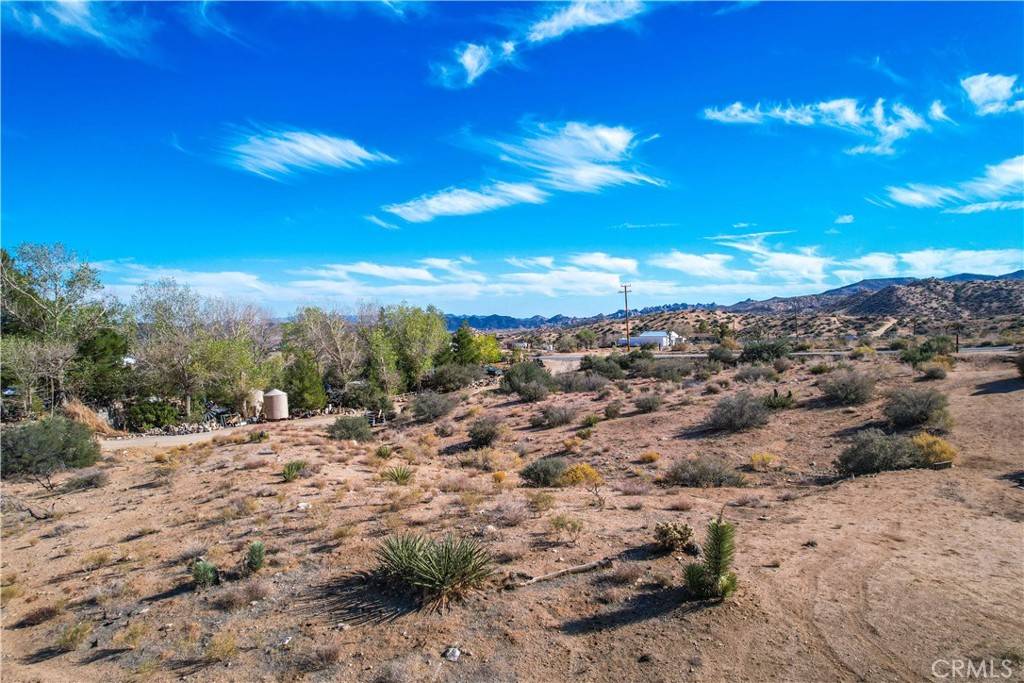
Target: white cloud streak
(273,153)
(582,14)
(993,93)
(844,219)
(712,266)
(1002,181)
(603,261)
(115,26)
(458,201)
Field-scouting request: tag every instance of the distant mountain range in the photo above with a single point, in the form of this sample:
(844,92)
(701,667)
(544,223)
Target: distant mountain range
(950,297)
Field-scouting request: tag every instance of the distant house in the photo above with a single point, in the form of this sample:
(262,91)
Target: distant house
(656,338)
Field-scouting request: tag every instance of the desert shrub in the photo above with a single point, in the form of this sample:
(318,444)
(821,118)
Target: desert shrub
(255,555)
(145,415)
(1019,362)
(367,396)
(821,369)
(649,403)
(604,366)
(723,355)
(756,373)
(440,571)
(649,457)
(781,365)
(204,574)
(398,474)
(848,387)
(540,501)
(90,479)
(41,449)
(613,410)
(444,429)
(584,433)
(567,526)
(703,472)
(910,406)
(671,536)
(521,374)
(429,406)
(669,369)
(578,382)
(383,451)
(509,510)
(764,351)
(933,448)
(293,470)
(736,413)
(531,392)
(489,459)
(777,401)
(932,371)
(73,635)
(712,577)
(581,474)
(545,472)
(873,450)
(257,436)
(484,431)
(452,377)
(761,461)
(355,428)
(590,421)
(553,416)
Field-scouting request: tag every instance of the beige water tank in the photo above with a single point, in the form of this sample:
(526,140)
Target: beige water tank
(275,405)
(253,403)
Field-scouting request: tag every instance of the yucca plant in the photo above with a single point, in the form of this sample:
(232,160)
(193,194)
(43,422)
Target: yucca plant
(254,557)
(441,571)
(204,574)
(399,474)
(712,578)
(293,469)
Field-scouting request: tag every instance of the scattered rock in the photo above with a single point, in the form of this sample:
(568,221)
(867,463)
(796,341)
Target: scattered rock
(452,654)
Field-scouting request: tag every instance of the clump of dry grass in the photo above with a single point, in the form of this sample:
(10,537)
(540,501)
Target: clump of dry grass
(509,510)
(83,414)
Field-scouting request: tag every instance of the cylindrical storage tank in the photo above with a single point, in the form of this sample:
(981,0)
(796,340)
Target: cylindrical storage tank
(275,405)
(254,403)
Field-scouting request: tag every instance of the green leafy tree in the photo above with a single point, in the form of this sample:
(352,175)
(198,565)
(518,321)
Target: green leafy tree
(488,350)
(587,338)
(303,383)
(416,335)
(382,360)
(100,375)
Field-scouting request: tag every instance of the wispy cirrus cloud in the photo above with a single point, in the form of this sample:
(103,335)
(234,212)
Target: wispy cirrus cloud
(884,126)
(471,60)
(933,262)
(712,266)
(377,270)
(803,264)
(844,219)
(999,188)
(993,93)
(531,261)
(114,25)
(557,157)
(277,152)
(380,222)
(603,261)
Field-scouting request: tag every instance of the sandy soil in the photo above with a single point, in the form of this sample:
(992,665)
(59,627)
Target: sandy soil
(873,578)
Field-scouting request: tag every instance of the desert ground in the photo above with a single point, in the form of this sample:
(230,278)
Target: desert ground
(867,578)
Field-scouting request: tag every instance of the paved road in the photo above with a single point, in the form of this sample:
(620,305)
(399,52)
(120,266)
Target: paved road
(972,350)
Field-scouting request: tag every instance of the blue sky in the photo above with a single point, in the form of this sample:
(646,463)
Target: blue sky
(516,158)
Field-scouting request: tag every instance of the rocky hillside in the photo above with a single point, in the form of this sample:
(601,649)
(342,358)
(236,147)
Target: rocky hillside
(940,299)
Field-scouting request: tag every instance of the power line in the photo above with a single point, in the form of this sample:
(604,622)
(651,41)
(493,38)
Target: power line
(625,287)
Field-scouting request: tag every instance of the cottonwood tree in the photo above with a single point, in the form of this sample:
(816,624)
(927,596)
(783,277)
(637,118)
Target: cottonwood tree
(35,362)
(418,335)
(332,339)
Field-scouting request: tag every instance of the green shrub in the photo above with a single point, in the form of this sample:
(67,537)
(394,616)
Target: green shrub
(41,449)
(304,384)
(712,578)
(145,415)
(649,403)
(756,373)
(429,406)
(848,387)
(668,369)
(933,371)
(703,472)
(873,450)
(293,470)
(821,369)
(73,635)
(521,374)
(553,416)
(671,536)
(613,410)
(204,574)
(399,474)
(764,351)
(589,421)
(910,407)
(736,413)
(545,472)
(484,431)
(258,436)
(452,377)
(440,571)
(781,365)
(579,382)
(366,396)
(355,428)
(777,401)
(723,355)
(531,392)
(606,366)
(254,557)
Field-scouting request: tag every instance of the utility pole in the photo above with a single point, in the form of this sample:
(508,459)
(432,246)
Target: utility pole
(625,296)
